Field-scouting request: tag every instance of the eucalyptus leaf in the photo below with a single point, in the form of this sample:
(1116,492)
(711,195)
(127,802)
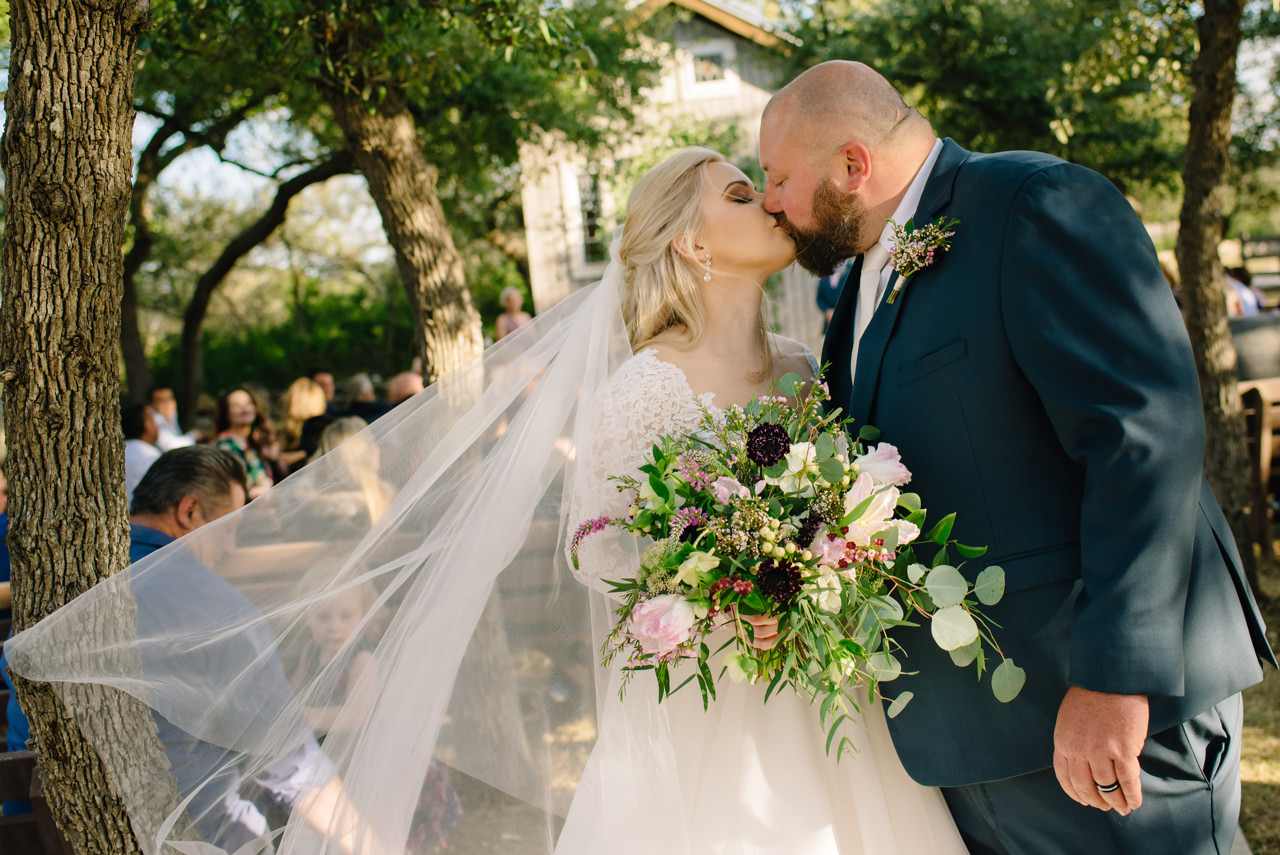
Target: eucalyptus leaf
(899,704)
(964,656)
(890,537)
(885,608)
(1007,681)
(884,666)
(989,586)
(916,572)
(867,433)
(831,470)
(824,448)
(909,502)
(789,384)
(953,627)
(946,585)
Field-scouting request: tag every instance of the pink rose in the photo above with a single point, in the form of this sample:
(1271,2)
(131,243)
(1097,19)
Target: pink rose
(662,624)
(725,488)
(884,465)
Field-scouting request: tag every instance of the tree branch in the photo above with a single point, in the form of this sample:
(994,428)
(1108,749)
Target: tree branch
(248,238)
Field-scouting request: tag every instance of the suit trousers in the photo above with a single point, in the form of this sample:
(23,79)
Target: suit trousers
(1190,801)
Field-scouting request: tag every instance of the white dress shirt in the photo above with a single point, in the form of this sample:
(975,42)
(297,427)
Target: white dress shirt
(906,210)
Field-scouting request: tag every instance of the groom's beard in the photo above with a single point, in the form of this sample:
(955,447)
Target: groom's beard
(838,219)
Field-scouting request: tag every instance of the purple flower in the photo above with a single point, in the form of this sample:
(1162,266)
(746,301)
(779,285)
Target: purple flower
(591,526)
(687,523)
(779,580)
(767,444)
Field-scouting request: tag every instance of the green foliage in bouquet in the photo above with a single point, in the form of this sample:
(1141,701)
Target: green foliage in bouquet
(775,509)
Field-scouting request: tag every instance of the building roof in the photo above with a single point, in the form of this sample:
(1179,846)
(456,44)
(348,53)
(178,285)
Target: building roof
(741,20)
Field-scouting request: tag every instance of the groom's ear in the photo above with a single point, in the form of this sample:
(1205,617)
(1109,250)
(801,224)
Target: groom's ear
(856,160)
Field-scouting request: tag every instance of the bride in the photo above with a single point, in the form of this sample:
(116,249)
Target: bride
(484,720)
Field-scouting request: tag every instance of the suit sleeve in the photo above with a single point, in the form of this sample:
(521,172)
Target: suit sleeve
(1095,330)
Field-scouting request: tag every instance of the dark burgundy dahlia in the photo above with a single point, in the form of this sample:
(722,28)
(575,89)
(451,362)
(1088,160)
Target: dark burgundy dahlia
(779,580)
(767,444)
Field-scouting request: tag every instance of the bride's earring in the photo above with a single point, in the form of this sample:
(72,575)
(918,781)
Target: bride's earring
(706,277)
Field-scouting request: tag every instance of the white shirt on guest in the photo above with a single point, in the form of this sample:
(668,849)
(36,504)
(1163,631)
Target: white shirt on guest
(171,436)
(138,457)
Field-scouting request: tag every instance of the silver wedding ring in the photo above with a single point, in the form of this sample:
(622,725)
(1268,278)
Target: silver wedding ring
(1109,788)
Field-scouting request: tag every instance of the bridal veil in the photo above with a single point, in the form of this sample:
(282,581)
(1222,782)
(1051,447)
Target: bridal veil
(447,518)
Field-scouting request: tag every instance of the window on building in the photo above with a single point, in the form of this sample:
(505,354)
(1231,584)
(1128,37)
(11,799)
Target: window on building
(708,67)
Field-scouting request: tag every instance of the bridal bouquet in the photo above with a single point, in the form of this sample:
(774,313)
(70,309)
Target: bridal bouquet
(773,509)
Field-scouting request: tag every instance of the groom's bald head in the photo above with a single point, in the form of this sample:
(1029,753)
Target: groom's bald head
(839,148)
(839,102)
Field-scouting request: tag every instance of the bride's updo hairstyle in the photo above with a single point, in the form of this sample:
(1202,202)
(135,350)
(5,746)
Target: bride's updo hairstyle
(662,303)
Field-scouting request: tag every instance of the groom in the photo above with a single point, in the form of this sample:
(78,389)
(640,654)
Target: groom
(1038,380)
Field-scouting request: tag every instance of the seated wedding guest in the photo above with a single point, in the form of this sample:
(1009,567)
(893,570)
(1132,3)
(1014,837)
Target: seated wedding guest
(367,495)
(339,640)
(16,736)
(404,386)
(140,450)
(1249,300)
(342,639)
(241,426)
(164,409)
(304,399)
(363,399)
(513,317)
(186,489)
(325,379)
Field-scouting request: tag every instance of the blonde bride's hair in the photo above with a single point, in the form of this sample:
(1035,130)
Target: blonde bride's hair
(663,300)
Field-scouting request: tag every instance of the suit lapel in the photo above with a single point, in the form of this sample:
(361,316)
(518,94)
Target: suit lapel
(839,342)
(937,195)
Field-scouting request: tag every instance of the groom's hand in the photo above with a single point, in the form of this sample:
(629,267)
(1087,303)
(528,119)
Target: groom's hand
(1096,743)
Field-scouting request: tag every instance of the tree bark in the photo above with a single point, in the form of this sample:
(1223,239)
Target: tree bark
(66,155)
(387,151)
(240,245)
(1203,285)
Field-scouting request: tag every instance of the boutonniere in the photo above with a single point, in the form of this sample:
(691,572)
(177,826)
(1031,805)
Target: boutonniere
(914,248)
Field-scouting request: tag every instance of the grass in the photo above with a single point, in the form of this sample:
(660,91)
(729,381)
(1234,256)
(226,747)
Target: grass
(1260,761)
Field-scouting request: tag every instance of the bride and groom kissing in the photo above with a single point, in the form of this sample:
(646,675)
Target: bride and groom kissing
(1021,349)
(1038,380)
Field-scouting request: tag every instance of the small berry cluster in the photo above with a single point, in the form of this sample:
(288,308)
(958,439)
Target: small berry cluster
(736,582)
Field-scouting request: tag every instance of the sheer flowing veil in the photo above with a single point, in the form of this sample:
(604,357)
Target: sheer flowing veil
(481,687)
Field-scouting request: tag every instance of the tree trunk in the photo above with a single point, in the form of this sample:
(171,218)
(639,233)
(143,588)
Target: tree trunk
(239,247)
(66,156)
(1203,286)
(385,144)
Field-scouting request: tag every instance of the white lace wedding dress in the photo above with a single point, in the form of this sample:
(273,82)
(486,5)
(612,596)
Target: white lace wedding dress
(744,777)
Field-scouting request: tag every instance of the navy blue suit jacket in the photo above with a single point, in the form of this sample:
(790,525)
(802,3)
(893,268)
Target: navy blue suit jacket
(1039,382)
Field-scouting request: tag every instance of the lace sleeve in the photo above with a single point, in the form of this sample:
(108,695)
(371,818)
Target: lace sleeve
(645,399)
